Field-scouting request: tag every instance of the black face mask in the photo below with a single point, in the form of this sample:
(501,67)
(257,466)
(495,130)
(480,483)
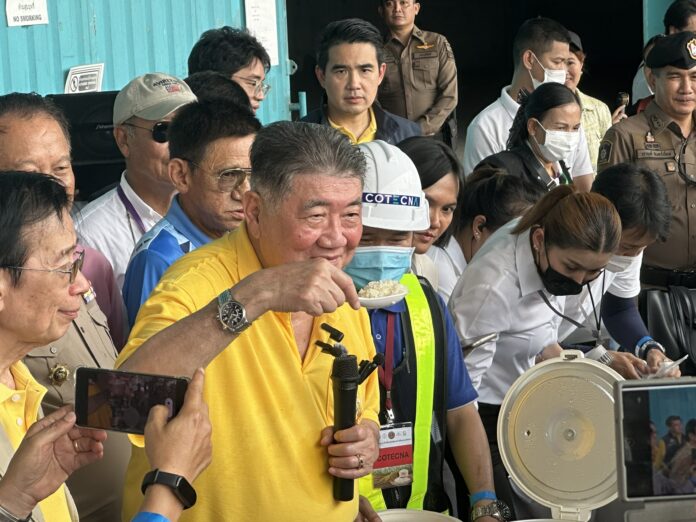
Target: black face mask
(556,283)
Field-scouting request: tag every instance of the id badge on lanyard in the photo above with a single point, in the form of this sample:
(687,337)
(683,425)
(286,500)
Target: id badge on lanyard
(394,466)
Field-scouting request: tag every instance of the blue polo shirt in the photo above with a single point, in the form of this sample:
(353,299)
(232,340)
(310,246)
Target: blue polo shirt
(460,390)
(173,236)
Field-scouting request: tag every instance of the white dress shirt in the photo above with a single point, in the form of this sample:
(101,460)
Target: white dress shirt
(450,263)
(625,283)
(106,225)
(488,134)
(499,292)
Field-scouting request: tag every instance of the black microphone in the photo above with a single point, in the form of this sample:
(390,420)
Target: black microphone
(345,378)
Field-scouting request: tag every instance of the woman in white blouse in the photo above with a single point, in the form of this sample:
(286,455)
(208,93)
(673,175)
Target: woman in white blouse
(517,278)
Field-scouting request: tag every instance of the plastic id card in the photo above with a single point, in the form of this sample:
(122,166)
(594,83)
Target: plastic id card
(394,467)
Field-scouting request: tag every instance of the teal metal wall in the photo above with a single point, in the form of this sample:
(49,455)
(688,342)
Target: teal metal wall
(653,14)
(131,37)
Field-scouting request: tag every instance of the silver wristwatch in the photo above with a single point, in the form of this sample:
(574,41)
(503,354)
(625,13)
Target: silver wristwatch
(496,509)
(231,313)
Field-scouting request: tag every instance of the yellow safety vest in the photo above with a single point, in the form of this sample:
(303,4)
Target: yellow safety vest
(424,343)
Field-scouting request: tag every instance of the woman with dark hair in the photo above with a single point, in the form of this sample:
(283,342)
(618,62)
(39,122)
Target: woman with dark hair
(441,176)
(640,198)
(544,137)
(516,281)
(489,199)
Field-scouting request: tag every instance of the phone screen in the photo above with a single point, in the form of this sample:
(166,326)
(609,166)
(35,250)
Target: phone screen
(659,461)
(121,401)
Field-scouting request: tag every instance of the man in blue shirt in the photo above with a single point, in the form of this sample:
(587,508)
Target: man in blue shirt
(423,381)
(209,143)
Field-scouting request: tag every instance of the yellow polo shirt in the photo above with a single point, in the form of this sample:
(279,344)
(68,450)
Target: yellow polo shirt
(19,409)
(368,134)
(267,407)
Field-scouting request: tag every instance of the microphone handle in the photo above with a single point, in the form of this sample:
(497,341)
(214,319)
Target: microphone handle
(345,395)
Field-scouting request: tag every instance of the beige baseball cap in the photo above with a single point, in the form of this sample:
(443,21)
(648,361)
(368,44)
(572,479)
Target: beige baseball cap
(151,97)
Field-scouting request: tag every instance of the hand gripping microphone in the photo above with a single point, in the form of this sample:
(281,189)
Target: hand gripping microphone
(345,377)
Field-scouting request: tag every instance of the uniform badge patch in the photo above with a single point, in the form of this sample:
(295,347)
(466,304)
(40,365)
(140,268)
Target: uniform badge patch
(426,45)
(670,166)
(604,152)
(691,47)
(649,138)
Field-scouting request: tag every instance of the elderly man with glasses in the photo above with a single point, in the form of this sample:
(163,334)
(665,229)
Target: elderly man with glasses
(114,223)
(209,145)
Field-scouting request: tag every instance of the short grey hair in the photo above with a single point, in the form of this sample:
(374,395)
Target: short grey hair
(287,149)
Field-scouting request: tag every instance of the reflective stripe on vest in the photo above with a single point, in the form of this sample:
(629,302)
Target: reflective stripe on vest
(424,345)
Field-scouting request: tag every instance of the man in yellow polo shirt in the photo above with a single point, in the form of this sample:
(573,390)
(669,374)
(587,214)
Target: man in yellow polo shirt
(350,67)
(277,278)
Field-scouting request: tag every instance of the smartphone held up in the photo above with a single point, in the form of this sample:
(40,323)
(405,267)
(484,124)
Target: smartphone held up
(121,401)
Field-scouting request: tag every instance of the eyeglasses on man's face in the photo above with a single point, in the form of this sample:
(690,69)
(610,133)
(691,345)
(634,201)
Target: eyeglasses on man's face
(159,130)
(228,180)
(259,86)
(72,269)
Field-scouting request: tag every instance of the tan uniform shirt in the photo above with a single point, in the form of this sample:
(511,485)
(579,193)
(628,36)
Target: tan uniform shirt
(651,139)
(97,488)
(421,79)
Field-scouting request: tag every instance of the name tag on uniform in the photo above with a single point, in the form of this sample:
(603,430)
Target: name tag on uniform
(655,154)
(394,466)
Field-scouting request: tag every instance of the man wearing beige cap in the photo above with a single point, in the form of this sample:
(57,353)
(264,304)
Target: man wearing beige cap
(114,223)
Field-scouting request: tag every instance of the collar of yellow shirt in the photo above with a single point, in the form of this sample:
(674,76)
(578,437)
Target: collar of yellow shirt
(366,136)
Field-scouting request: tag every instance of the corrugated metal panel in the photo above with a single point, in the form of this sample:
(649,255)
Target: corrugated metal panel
(131,37)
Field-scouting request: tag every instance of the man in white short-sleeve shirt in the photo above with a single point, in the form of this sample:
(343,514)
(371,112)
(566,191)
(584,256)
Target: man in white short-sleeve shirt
(540,52)
(114,222)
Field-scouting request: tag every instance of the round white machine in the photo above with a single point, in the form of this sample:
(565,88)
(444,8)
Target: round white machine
(556,435)
(413,515)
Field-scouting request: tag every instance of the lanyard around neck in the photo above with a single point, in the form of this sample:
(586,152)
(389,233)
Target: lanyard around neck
(598,318)
(386,372)
(130,209)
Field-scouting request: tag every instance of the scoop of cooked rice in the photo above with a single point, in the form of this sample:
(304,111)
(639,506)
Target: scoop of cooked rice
(384,288)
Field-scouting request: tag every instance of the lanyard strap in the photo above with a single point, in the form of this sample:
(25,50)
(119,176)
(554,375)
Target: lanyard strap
(130,209)
(598,318)
(386,373)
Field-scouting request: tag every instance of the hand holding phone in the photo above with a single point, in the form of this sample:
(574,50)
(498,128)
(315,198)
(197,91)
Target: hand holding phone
(181,445)
(121,401)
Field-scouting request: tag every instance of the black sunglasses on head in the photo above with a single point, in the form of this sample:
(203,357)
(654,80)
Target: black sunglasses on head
(158,130)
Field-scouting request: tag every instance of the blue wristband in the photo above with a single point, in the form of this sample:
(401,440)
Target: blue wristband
(482,495)
(145,516)
(639,345)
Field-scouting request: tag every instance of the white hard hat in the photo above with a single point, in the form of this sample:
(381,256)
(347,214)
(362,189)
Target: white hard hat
(392,196)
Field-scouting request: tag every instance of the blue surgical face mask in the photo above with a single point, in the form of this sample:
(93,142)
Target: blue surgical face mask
(378,263)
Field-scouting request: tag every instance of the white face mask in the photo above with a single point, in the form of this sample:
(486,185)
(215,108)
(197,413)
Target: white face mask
(558,145)
(550,75)
(619,264)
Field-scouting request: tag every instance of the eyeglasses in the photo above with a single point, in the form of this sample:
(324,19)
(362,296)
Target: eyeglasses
(72,270)
(259,85)
(228,180)
(159,130)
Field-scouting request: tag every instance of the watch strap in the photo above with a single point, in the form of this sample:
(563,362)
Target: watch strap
(179,485)
(6,516)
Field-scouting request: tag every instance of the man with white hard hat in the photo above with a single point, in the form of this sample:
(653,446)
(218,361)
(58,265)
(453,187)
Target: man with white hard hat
(114,223)
(423,379)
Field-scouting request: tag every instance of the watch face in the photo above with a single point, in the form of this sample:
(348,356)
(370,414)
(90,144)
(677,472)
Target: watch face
(504,510)
(232,314)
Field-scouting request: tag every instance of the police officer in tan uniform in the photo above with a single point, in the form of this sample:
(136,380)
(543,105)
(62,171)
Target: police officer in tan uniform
(663,138)
(34,138)
(420,83)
